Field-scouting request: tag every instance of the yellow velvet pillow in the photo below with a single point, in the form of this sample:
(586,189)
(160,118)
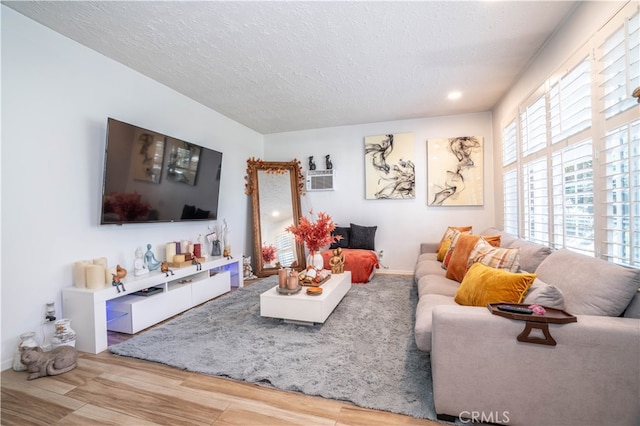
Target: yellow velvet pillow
(442,251)
(459,261)
(483,285)
(449,233)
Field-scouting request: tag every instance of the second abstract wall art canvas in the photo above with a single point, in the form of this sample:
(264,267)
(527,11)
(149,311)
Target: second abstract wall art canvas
(455,171)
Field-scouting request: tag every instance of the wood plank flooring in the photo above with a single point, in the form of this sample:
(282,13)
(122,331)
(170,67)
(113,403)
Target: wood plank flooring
(107,389)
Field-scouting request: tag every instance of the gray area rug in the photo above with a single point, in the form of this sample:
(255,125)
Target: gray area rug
(364,353)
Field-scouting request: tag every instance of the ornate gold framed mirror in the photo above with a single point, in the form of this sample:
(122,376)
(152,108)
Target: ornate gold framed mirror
(275,196)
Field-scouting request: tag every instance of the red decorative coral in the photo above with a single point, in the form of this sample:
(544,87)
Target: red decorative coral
(315,235)
(268,253)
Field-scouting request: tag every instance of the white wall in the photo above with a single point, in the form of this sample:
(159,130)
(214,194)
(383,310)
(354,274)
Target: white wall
(56,97)
(583,23)
(402,224)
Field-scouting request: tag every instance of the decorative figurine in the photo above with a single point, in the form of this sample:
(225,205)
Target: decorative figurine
(312,165)
(117,277)
(195,261)
(150,259)
(139,268)
(215,244)
(337,261)
(247,270)
(328,162)
(57,361)
(225,239)
(165,268)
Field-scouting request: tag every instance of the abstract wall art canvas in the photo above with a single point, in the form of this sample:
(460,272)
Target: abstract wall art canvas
(455,170)
(389,167)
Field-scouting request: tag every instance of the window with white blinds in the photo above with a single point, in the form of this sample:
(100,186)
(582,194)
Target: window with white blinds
(572,202)
(533,126)
(570,102)
(620,75)
(622,200)
(510,190)
(509,152)
(581,189)
(535,200)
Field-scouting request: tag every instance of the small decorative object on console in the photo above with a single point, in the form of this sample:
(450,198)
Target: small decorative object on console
(165,268)
(150,259)
(117,277)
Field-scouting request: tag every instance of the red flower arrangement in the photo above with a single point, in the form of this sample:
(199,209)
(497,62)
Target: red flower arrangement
(268,253)
(315,235)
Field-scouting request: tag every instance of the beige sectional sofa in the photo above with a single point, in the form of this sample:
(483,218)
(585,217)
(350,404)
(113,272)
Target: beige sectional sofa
(481,372)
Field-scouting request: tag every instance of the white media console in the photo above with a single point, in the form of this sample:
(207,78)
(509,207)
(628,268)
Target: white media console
(94,311)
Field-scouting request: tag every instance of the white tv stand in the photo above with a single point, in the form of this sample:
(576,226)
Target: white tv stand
(94,311)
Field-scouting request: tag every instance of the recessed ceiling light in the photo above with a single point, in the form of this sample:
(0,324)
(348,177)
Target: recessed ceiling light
(454,95)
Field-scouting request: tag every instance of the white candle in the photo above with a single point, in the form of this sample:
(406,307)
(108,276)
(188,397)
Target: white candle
(170,251)
(185,247)
(79,277)
(94,276)
(106,276)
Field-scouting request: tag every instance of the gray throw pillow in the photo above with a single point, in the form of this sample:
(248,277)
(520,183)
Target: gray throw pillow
(362,237)
(544,294)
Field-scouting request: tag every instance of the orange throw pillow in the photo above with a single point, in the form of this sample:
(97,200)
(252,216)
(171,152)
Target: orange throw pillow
(494,240)
(457,267)
(449,233)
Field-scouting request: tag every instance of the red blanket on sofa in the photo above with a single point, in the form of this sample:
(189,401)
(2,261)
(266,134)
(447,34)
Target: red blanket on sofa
(359,262)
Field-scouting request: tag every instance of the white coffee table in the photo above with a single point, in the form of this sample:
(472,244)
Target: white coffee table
(303,308)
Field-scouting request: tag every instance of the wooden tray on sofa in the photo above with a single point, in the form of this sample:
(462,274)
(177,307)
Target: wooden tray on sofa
(540,322)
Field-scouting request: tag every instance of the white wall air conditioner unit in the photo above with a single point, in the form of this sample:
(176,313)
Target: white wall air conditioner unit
(319,180)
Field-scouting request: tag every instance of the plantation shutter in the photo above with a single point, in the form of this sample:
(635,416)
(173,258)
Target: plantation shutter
(570,102)
(620,73)
(510,191)
(509,152)
(536,201)
(572,186)
(533,126)
(622,189)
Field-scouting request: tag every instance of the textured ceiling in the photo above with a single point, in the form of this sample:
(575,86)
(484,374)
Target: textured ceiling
(283,66)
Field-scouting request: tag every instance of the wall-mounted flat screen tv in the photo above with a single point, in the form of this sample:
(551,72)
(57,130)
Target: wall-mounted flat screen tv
(151,177)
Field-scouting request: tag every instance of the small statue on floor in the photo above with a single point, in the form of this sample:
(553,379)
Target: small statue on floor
(247,269)
(117,277)
(165,268)
(57,361)
(337,261)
